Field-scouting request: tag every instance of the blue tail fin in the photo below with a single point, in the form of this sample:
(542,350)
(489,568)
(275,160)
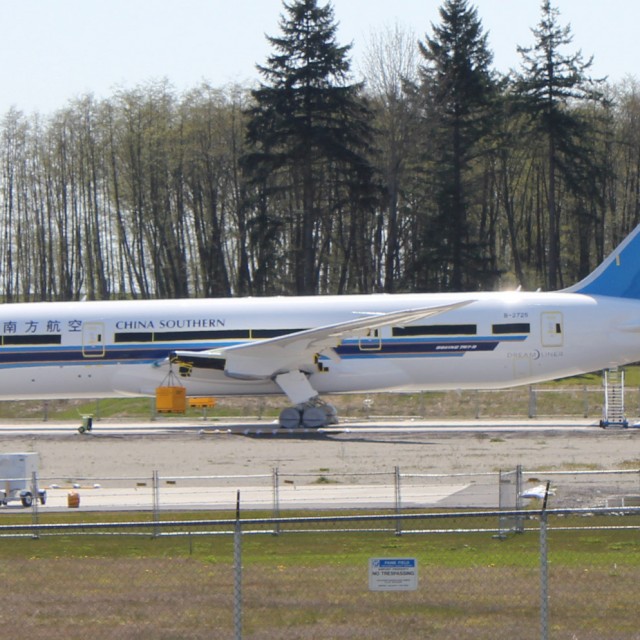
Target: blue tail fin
(619,275)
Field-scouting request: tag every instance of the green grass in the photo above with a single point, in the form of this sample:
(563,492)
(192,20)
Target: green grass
(443,547)
(314,583)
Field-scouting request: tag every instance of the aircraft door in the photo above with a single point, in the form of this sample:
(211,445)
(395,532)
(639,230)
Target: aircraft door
(552,329)
(93,345)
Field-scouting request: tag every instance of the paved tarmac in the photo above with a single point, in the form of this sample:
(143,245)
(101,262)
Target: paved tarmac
(268,428)
(252,497)
(202,464)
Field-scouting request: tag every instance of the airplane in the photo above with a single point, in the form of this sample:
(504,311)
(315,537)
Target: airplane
(307,347)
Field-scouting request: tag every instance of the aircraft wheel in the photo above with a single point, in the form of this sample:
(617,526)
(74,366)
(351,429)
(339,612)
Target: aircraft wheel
(332,414)
(290,418)
(27,500)
(315,417)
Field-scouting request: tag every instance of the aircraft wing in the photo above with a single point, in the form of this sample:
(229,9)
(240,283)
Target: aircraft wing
(298,351)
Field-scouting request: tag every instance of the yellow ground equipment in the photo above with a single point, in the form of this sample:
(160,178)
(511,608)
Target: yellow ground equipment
(202,402)
(171,399)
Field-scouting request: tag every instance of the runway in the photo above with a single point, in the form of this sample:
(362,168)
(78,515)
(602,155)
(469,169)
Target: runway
(200,465)
(267,428)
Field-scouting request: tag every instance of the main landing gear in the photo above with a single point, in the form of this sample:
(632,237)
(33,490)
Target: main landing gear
(314,414)
(309,411)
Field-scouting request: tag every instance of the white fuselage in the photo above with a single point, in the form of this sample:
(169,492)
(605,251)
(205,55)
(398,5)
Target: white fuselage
(100,349)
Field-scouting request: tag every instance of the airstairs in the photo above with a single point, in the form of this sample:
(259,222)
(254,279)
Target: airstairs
(613,412)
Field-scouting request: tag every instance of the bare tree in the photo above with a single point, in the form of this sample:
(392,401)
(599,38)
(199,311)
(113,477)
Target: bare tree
(390,63)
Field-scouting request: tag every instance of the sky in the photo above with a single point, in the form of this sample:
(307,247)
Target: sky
(54,51)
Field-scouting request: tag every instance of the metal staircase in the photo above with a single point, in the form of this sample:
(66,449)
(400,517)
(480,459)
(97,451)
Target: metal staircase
(613,411)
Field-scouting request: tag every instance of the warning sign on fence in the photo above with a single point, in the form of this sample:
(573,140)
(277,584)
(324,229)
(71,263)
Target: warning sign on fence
(393,574)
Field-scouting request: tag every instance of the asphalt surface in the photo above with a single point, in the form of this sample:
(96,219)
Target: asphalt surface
(190,489)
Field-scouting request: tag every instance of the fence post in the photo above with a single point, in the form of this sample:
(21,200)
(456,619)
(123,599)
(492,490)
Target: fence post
(398,502)
(533,410)
(237,573)
(276,500)
(544,572)
(519,524)
(156,503)
(34,505)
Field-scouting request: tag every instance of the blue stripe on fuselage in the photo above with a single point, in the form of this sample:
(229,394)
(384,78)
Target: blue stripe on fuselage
(144,353)
(400,348)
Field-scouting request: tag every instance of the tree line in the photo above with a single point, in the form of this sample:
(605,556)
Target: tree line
(433,173)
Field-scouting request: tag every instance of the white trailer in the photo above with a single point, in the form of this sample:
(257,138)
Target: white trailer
(18,472)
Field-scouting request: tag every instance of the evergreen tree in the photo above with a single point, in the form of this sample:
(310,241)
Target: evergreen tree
(549,89)
(457,89)
(309,130)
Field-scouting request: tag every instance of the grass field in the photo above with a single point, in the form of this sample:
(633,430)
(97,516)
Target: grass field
(314,584)
(580,396)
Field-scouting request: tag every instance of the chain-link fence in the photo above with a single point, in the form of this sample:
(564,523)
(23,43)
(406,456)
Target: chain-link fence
(277,491)
(569,574)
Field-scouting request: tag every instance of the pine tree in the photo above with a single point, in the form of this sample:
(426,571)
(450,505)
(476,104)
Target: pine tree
(307,120)
(549,89)
(457,88)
